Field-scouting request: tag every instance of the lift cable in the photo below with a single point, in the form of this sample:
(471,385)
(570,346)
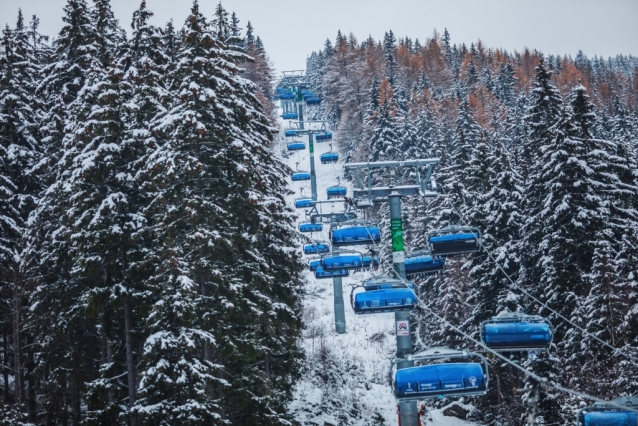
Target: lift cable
(615,350)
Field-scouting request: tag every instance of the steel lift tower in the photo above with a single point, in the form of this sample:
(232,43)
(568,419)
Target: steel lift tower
(364,196)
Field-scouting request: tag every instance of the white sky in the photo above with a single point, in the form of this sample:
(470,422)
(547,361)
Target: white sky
(291,29)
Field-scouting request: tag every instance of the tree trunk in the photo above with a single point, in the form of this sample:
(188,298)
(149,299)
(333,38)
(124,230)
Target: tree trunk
(31,400)
(130,365)
(130,361)
(17,343)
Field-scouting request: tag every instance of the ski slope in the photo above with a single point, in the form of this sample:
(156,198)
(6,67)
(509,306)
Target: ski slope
(361,357)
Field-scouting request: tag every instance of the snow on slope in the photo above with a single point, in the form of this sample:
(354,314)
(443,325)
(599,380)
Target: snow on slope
(346,377)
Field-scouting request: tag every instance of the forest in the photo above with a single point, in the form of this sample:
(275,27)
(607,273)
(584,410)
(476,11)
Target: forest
(132,291)
(539,152)
(150,266)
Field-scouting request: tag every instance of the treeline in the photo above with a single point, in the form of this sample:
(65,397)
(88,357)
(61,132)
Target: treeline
(540,154)
(147,267)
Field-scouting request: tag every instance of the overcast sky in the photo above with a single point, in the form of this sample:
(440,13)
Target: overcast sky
(291,29)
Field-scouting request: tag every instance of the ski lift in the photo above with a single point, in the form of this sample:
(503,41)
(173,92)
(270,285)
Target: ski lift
(342,261)
(303,203)
(316,248)
(453,240)
(313,100)
(517,332)
(421,262)
(314,264)
(307,94)
(383,294)
(291,132)
(290,116)
(323,137)
(609,415)
(329,157)
(300,175)
(343,217)
(451,379)
(355,235)
(296,146)
(320,273)
(286,96)
(336,191)
(310,227)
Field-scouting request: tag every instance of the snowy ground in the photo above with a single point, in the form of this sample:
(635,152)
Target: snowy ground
(369,341)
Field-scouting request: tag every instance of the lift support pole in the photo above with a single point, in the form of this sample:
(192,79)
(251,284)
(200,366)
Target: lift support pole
(407,410)
(340,313)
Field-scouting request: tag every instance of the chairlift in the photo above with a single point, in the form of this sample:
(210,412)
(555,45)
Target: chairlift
(342,261)
(609,415)
(422,262)
(383,294)
(313,100)
(300,176)
(355,235)
(290,116)
(303,203)
(323,137)
(453,240)
(286,96)
(296,146)
(291,132)
(320,273)
(440,380)
(316,248)
(336,191)
(517,332)
(329,157)
(310,227)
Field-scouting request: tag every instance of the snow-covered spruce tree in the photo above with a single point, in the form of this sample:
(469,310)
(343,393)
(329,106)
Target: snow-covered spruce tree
(224,237)
(543,113)
(19,188)
(384,143)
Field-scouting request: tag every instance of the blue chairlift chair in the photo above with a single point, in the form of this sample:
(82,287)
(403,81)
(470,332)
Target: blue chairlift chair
(310,227)
(440,380)
(383,294)
(454,240)
(517,332)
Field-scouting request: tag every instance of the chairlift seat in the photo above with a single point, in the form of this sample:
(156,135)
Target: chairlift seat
(451,244)
(299,176)
(310,227)
(609,418)
(296,146)
(521,335)
(321,137)
(291,132)
(440,380)
(329,157)
(423,264)
(336,192)
(384,300)
(349,261)
(290,116)
(286,96)
(317,248)
(356,235)
(313,100)
(321,273)
(303,203)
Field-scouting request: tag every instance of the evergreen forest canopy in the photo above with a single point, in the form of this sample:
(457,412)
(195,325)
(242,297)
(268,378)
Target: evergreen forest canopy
(538,152)
(148,272)
(147,264)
